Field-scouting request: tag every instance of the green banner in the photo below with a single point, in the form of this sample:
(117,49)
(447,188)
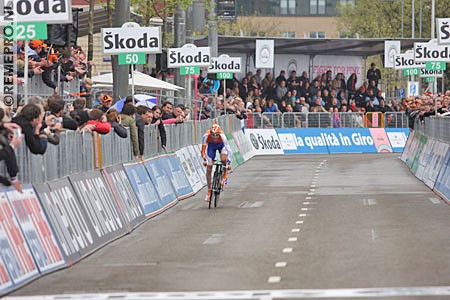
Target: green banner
(430,79)
(237,157)
(224,75)
(27,31)
(411,71)
(435,65)
(189,70)
(132,59)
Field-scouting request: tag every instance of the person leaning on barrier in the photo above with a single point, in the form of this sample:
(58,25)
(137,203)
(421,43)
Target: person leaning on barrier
(158,122)
(115,120)
(30,120)
(55,107)
(10,139)
(127,115)
(144,116)
(79,112)
(98,120)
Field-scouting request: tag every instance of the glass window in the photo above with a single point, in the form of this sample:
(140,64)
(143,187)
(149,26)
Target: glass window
(321,35)
(288,34)
(313,7)
(283,7)
(292,7)
(321,5)
(313,35)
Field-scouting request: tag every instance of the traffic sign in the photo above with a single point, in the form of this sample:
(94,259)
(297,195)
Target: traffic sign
(188,55)
(132,58)
(431,51)
(190,70)
(435,65)
(443,31)
(225,63)
(48,11)
(411,71)
(131,38)
(430,79)
(224,75)
(28,31)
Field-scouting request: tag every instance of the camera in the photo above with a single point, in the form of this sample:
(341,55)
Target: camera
(57,120)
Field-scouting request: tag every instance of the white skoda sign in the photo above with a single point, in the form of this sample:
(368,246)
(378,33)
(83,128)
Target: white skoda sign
(443,31)
(131,38)
(49,11)
(431,51)
(264,54)
(188,55)
(225,63)
(406,61)
(391,50)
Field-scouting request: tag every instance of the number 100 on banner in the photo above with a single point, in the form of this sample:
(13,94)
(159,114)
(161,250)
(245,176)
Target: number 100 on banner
(132,58)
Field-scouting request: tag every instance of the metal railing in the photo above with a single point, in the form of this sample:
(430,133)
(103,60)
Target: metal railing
(37,87)
(81,152)
(327,120)
(437,128)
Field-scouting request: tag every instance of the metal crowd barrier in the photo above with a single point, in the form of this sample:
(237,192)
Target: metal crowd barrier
(81,152)
(37,87)
(437,128)
(327,120)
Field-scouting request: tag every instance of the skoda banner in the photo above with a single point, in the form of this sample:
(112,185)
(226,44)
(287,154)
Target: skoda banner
(264,141)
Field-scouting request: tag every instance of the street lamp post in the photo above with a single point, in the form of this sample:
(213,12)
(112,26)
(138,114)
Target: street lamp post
(412,19)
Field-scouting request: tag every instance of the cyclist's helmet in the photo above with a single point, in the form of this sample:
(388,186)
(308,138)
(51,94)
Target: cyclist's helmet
(215,129)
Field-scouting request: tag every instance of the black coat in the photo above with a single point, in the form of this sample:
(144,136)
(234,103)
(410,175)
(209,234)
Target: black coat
(34,142)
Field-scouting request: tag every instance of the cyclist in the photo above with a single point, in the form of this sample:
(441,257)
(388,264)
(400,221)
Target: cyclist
(215,140)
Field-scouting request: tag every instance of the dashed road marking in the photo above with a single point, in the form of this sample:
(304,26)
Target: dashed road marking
(281,264)
(274,279)
(299,222)
(302,215)
(295,230)
(292,239)
(288,250)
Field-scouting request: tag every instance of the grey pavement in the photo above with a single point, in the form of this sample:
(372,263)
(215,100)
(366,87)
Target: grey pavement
(297,222)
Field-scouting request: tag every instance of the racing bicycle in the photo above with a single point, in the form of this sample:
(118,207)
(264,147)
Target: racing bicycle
(216,183)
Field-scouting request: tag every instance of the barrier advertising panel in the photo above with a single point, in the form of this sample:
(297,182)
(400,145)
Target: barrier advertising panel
(190,169)
(172,167)
(13,247)
(413,148)
(424,158)
(264,141)
(99,204)
(162,183)
(442,186)
(397,138)
(306,141)
(197,159)
(124,194)
(244,145)
(435,163)
(36,229)
(5,281)
(69,220)
(237,157)
(407,150)
(420,145)
(380,140)
(144,188)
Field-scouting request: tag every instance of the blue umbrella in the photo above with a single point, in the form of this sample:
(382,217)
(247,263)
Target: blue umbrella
(141,99)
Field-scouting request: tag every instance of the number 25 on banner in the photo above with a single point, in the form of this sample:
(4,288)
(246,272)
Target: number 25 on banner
(27,31)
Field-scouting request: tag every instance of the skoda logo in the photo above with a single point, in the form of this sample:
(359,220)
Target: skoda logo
(264,54)
(254,141)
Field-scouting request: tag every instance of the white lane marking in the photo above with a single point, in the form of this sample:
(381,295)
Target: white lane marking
(435,200)
(316,177)
(308,198)
(288,250)
(214,239)
(308,203)
(305,208)
(370,202)
(295,230)
(302,215)
(299,222)
(310,194)
(274,279)
(312,190)
(281,264)
(292,239)
(374,235)
(121,265)
(385,292)
(312,185)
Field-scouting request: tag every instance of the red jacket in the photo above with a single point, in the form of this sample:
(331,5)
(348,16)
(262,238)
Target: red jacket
(101,127)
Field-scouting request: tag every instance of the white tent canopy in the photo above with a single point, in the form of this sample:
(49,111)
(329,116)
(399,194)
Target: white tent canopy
(141,80)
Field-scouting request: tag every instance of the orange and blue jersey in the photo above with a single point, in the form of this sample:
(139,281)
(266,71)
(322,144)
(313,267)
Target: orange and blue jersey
(211,145)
